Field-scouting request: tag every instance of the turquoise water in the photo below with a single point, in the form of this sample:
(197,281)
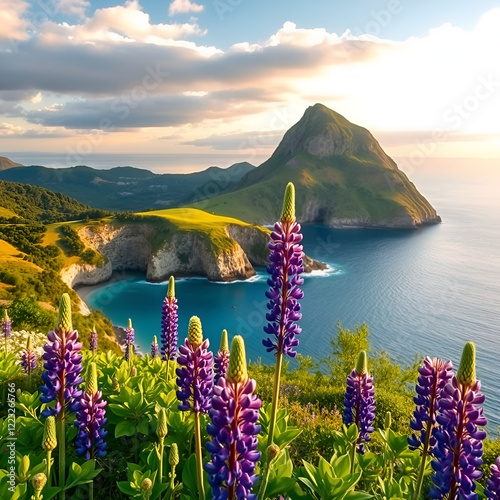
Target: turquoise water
(426,291)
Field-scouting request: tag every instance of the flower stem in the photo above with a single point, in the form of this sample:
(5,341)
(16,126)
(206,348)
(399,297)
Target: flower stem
(91,490)
(168,360)
(162,449)
(353,455)
(265,480)
(199,457)
(276,395)
(62,455)
(47,469)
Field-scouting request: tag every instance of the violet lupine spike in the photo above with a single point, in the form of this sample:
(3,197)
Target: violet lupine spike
(90,421)
(130,333)
(434,374)
(93,340)
(169,319)
(6,325)
(459,448)
(492,490)
(195,376)
(359,401)
(284,293)
(154,348)
(63,364)
(28,357)
(234,416)
(221,359)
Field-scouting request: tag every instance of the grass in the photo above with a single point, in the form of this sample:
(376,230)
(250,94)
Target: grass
(5,212)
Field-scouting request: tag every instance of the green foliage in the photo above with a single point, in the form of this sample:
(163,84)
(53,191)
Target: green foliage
(70,241)
(27,314)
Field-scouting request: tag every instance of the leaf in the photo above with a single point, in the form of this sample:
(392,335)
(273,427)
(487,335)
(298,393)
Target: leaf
(278,485)
(286,437)
(124,487)
(189,476)
(120,410)
(125,428)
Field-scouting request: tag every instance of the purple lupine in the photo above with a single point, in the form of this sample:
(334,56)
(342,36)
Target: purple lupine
(6,328)
(492,490)
(129,333)
(63,364)
(221,359)
(169,319)
(93,340)
(234,416)
(284,293)
(434,374)
(90,420)
(195,375)
(154,348)
(28,357)
(459,448)
(359,401)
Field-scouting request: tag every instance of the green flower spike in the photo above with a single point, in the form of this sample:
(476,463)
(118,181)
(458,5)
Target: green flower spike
(171,287)
(466,373)
(224,344)
(237,370)
(5,315)
(92,384)
(129,323)
(173,457)
(161,425)
(388,420)
(155,341)
(29,343)
(49,441)
(362,364)
(288,212)
(115,384)
(64,323)
(195,333)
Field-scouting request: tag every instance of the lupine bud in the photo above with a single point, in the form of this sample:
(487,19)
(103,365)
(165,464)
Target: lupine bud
(286,259)
(273,452)
(195,333)
(362,364)
(93,339)
(64,322)
(6,324)
(492,491)
(161,425)
(130,334)
(133,371)
(169,319)
(221,360)
(92,382)
(466,374)
(288,211)
(388,420)
(49,441)
(115,384)
(173,457)
(171,287)
(28,356)
(146,487)
(39,481)
(237,371)
(154,348)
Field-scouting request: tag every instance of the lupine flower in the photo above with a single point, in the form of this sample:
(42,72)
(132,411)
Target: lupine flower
(28,357)
(154,347)
(130,333)
(6,327)
(169,318)
(195,376)
(459,446)
(492,490)
(221,360)
(285,269)
(63,363)
(434,374)
(49,443)
(90,420)
(234,416)
(93,340)
(359,401)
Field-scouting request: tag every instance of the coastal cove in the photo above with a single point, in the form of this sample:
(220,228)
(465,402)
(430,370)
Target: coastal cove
(422,291)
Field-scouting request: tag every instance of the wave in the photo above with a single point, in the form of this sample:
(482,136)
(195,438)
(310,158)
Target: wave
(323,273)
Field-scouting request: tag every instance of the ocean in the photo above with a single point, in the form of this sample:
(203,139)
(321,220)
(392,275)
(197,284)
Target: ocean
(425,291)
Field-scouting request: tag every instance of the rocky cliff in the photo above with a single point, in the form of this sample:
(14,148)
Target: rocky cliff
(128,247)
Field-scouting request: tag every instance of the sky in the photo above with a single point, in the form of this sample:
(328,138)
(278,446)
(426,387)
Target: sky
(192,84)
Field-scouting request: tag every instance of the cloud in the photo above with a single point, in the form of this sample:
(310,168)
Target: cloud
(243,140)
(12,22)
(11,129)
(184,7)
(74,8)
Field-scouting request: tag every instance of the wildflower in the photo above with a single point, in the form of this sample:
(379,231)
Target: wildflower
(195,375)
(146,488)
(285,269)
(49,443)
(234,416)
(28,357)
(173,460)
(359,401)
(492,490)
(161,432)
(6,328)
(459,446)
(221,360)
(130,333)
(93,340)
(169,318)
(63,364)
(38,480)
(90,420)
(154,347)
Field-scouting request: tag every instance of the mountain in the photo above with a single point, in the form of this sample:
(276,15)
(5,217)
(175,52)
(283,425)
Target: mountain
(342,177)
(127,188)
(5,163)
(32,203)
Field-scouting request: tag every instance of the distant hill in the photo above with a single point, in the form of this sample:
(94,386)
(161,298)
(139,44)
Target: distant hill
(128,188)
(342,178)
(33,203)
(5,163)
